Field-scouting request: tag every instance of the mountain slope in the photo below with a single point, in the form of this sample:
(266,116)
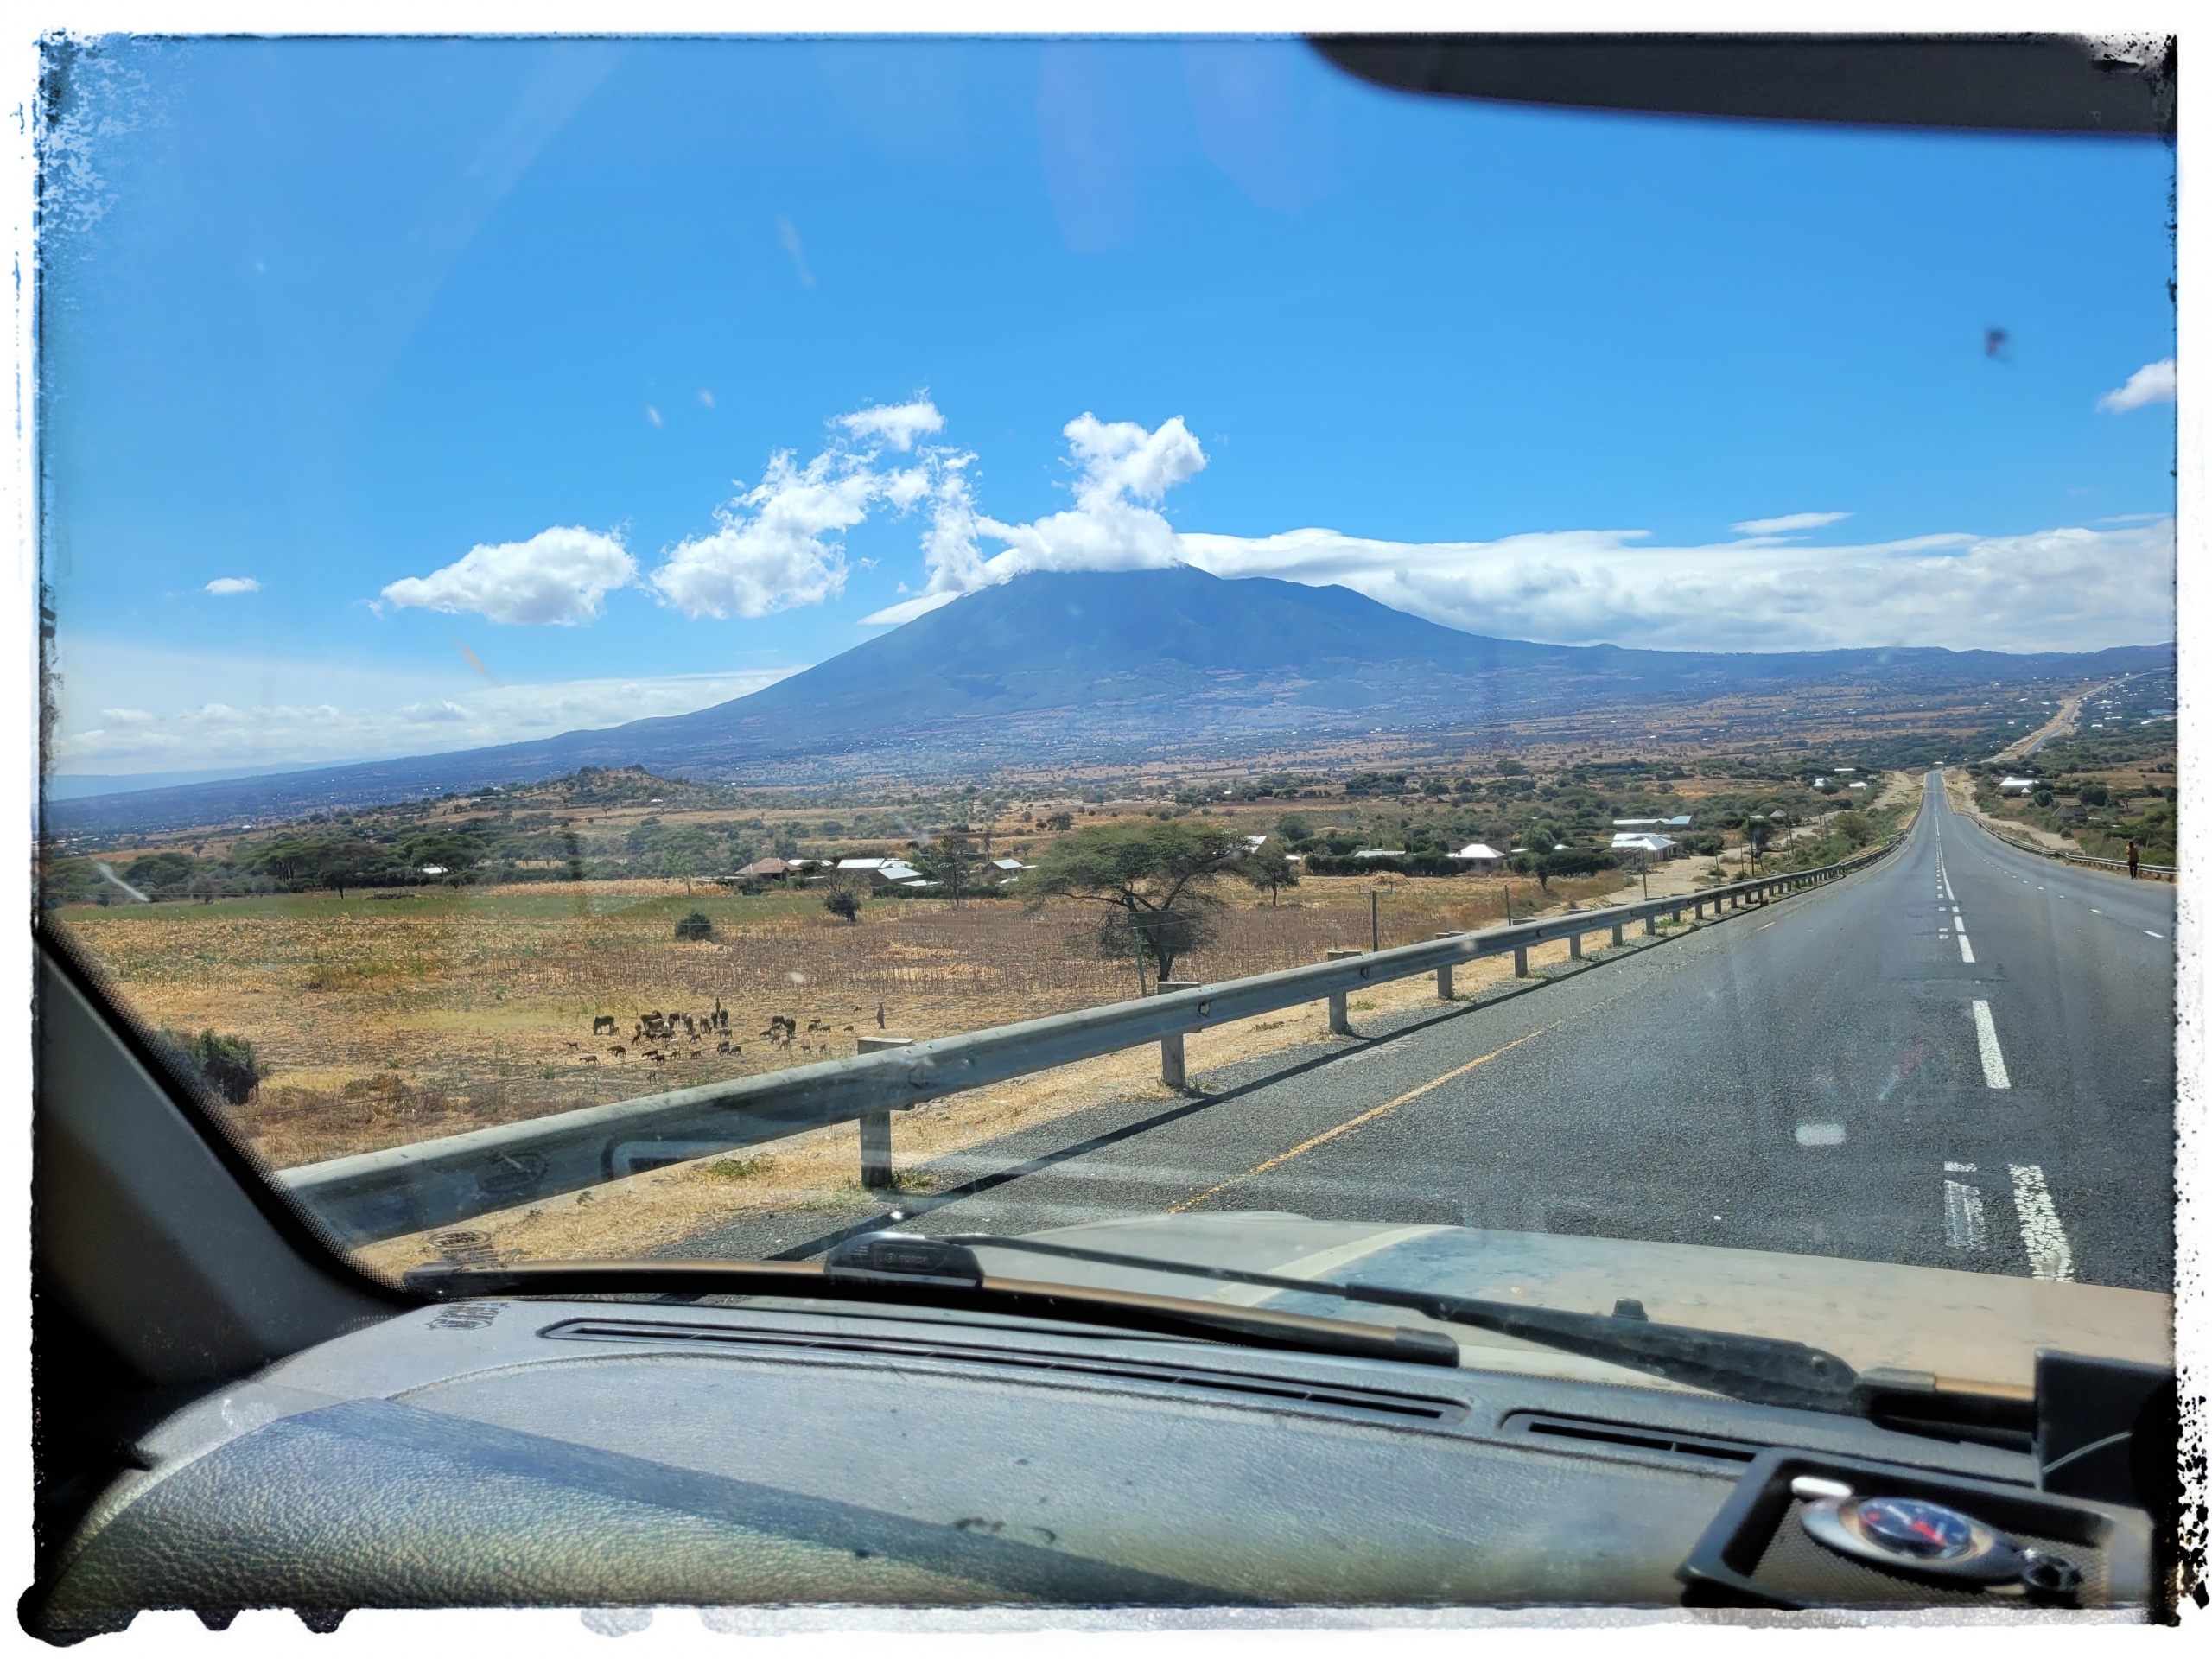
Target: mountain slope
(1099,665)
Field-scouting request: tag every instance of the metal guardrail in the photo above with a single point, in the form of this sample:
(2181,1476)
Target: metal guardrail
(2155,872)
(435,1183)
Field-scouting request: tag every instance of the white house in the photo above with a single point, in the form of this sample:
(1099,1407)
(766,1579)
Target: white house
(1649,845)
(1379,852)
(2016,786)
(1681,822)
(1479,859)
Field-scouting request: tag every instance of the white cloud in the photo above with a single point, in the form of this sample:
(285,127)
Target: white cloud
(2064,589)
(1789,521)
(777,546)
(561,575)
(223,587)
(278,713)
(1122,471)
(2059,589)
(896,424)
(2151,384)
(781,553)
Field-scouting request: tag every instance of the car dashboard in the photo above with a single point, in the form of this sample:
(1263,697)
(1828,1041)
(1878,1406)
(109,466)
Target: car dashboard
(750,1451)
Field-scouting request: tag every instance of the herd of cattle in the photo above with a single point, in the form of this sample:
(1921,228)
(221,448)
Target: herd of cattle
(659,1037)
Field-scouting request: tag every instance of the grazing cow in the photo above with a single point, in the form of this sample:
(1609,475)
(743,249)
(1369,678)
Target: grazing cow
(618,1051)
(591,1059)
(603,1025)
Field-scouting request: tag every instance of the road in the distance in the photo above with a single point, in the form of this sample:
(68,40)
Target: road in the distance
(1959,1057)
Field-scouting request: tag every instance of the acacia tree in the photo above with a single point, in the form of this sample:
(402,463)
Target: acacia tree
(950,861)
(1271,867)
(1154,879)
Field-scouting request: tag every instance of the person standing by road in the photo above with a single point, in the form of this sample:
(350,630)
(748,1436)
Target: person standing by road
(2135,861)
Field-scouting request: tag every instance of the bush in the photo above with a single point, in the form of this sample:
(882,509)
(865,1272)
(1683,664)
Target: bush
(227,1065)
(696,926)
(2044,798)
(2092,795)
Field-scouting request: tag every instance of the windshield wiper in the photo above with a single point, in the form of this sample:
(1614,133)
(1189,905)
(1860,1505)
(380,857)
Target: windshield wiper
(1765,1370)
(903,1268)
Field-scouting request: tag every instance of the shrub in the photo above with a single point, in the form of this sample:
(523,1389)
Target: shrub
(228,1065)
(2092,795)
(696,926)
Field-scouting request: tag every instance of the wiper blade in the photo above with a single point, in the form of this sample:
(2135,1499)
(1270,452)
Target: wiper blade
(1765,1370)
(937,1285)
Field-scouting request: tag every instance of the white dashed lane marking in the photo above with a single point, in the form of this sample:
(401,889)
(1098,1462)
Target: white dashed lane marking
(1965,1226)
(2050,1256)
(1992,1058)
(1966,952)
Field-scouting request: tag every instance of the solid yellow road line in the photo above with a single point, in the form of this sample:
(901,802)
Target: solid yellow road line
(1368,1116)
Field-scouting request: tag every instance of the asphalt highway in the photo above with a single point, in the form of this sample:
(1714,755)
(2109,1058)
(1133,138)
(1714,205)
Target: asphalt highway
(1961,1056)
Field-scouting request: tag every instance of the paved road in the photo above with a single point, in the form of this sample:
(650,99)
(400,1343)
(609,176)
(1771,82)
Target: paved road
(1961,1058)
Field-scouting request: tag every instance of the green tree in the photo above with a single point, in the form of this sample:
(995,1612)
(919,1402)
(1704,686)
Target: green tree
(1854,827)
(1154,879)
(950,859)
(1271,867)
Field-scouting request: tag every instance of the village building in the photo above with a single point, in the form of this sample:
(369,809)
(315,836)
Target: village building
(1681,822)
(1648,844)
(2016,786)
(1479,859)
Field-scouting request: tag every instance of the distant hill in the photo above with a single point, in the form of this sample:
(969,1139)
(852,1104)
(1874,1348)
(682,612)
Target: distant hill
(1106,666)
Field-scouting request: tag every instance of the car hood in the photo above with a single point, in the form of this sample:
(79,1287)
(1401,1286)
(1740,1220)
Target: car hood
(1970,1328)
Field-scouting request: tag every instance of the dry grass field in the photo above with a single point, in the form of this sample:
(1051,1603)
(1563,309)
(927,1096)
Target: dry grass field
(380,1021)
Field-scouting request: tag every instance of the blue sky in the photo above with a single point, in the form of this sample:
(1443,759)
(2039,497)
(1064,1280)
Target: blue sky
(324,317)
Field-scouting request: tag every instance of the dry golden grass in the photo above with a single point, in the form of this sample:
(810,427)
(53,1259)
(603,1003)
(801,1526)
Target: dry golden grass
(380,1023)
(819,1171)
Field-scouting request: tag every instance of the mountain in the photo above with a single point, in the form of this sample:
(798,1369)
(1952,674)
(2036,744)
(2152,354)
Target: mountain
(1103,667)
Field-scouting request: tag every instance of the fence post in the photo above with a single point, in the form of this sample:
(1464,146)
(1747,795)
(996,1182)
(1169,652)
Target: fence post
(1339,1015)
(1171,1046)
(876,1126)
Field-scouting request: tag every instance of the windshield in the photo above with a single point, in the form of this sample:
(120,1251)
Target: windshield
(684,649)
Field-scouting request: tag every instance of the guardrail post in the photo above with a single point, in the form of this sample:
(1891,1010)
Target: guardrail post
(1171,1046)
(1575,947)
(876,1126)
(1340,1016)
(1520,962)
(1443,974)
(1617,939)
(1651,925)
(875,1150)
